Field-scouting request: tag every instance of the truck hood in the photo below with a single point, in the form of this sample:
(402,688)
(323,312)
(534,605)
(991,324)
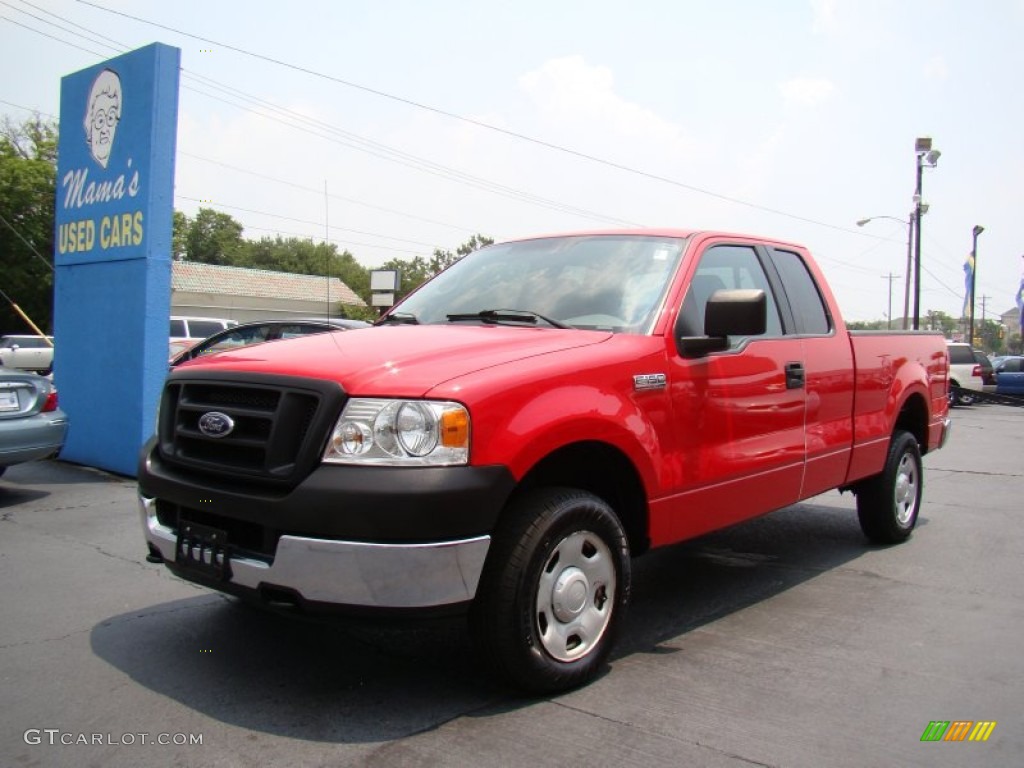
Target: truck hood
(397,361)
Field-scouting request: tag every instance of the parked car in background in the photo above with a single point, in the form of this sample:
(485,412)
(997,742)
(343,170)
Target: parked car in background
(31,424)
(27,353)
(988,375)
(186,331)
(1009,374)
(260,331)
(970,371)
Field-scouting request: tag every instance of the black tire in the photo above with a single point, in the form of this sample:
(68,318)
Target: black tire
(888,503)
(959,396)
(553,591)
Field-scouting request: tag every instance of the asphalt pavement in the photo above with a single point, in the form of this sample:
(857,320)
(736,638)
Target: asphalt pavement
(786,641)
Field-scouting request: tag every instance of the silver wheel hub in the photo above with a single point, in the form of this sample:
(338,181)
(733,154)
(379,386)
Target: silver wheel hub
(905,490)
(575,596)
(569,597)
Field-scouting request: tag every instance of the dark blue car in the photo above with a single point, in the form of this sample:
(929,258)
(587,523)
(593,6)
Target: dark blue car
(1009,375)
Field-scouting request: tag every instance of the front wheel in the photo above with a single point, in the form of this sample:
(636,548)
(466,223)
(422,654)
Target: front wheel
(888,503)
(553,591)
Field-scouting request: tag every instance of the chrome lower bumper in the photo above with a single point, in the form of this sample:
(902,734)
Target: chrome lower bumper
(947,427)
(352,572)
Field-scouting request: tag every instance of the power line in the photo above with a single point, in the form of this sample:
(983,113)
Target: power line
(21,237)
(332,196)
(52,37)
(384,152)
(368,146)
(307,221)
(472,121)
(63,29)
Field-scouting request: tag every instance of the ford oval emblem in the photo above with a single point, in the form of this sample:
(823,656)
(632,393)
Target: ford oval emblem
(216,424)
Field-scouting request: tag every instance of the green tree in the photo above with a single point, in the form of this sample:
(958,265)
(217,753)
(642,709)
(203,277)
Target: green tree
(441,260)
(868,325)
(213,237)
(412,273)
(28,171)
(179,235)
(990,335)
(417,270)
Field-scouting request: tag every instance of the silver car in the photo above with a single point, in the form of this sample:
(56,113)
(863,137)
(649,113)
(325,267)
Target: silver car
(31,424)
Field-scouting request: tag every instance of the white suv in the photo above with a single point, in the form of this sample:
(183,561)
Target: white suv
(27,353)
(187,331)
(967,371)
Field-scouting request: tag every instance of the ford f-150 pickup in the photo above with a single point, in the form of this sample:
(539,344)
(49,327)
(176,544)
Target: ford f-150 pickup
(517,429)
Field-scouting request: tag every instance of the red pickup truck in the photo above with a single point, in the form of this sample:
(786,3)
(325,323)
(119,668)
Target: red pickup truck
(516,430)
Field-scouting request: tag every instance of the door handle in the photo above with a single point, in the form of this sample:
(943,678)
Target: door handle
(795,375)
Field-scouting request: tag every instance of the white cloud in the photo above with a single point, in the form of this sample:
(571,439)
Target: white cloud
(935,68)
(825,19)
(578,96)
(806,91)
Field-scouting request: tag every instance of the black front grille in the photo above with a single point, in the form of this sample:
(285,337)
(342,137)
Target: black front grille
(278,425)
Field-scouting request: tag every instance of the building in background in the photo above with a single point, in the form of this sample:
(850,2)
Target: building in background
(241,294)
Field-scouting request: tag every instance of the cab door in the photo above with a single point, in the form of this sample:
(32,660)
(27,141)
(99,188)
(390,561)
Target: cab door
(828,371)
(738,448)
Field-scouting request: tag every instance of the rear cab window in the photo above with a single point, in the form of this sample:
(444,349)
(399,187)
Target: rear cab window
(810,312)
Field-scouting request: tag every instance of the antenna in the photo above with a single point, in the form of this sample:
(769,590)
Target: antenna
(327,247)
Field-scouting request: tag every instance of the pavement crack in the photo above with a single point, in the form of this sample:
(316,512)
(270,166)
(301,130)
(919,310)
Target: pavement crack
(628,724)
(35,641)
(70,540)
(977,472)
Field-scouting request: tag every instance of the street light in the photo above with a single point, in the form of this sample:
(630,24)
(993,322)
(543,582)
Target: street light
(978,229)
(930,157)
(910,238)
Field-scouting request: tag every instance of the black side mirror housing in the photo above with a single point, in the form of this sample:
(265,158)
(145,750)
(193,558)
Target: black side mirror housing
(741,312)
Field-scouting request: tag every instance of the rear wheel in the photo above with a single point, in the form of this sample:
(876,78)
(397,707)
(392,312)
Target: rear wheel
(554,589)
(888,503)
(958,396)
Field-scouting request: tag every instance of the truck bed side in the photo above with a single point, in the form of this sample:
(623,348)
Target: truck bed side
(901,381)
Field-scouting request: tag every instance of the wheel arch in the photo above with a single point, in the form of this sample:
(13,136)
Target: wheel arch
(913,418)
(601,469)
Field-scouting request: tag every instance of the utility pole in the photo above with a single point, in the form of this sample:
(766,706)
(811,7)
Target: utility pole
(978,229)
(984,299)
(888,318)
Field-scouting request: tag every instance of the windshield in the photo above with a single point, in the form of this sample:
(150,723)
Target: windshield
(595,282)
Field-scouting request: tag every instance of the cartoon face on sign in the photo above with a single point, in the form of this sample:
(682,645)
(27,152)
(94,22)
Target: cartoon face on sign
(102,114)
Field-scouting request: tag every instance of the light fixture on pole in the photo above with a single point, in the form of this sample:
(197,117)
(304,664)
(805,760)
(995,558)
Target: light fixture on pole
(930,157)
(909,224)
(978,229)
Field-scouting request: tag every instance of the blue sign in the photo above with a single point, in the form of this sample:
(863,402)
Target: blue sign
(112,251)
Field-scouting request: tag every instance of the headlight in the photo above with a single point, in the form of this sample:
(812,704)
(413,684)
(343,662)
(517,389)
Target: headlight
(400,433)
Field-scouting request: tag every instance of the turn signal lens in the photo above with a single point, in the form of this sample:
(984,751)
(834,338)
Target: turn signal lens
(455,428)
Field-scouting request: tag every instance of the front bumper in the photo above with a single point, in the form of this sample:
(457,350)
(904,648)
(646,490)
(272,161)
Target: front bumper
(344,573)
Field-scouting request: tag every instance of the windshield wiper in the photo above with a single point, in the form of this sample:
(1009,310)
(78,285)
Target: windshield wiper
(496,316)
(405,318)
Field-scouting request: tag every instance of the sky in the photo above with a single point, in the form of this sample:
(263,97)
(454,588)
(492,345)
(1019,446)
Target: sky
(394,128)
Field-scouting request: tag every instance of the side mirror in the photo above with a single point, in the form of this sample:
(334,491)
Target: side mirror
(742,312)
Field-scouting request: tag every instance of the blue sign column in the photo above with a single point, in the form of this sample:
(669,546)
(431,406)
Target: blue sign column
(112,251)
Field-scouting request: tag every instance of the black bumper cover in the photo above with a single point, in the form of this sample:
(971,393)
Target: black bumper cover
(371,504)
